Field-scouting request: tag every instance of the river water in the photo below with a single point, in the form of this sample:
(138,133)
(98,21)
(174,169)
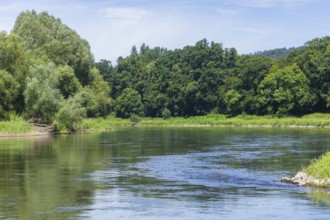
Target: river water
(162,173)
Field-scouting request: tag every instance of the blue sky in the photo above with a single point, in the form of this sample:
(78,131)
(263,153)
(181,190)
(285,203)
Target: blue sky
(112,27)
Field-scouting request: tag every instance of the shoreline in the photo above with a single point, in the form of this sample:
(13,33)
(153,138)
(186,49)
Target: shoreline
(35,132)
(235,126)
(43,131)
(303,179)
(22,128)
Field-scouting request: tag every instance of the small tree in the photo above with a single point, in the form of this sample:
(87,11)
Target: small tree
(69,117)
(166,113)
(232,100)
(101,90)
(286,91)
(129,103)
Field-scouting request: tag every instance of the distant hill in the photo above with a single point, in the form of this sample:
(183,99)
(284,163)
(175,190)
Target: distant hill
(275,53)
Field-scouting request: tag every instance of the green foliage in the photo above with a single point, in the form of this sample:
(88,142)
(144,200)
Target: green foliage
(14,60)
(128,104)
(166,113)
(101,91)
(311,120)
(87,100)
(15,125)
(45,35)
(232,100)
(13,57)
(42,97)
(314,61)
(105,68)
(275,53)
(192,81)
(286,91)
(68,83)
(320,168)
(108,123)
(44,64)
(135,119)
(9,89)
(70,117)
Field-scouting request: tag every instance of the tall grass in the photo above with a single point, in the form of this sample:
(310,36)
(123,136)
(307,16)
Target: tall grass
(108,123)
(313,120)
(320,168)
(16,125)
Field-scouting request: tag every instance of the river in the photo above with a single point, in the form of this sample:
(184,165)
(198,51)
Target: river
(162,173)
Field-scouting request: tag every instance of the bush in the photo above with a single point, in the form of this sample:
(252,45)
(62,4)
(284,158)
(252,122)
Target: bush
(69,117)
(166,113)
(128,104)
(135,119)
(42,98)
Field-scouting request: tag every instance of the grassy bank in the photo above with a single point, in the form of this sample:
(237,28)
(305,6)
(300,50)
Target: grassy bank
(104,124)
(319,168)
(16,126)
(312,120)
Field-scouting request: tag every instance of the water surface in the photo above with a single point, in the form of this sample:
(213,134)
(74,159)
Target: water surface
(162,173)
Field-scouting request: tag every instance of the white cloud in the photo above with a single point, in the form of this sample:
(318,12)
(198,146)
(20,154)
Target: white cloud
(124,27)
(268,3)
(227,12)
(113,27)
(124,13)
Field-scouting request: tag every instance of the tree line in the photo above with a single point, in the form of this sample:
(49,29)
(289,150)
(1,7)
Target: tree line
(48,75)
(208,78)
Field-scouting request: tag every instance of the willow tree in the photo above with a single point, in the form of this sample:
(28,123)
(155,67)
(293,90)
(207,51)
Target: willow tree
(46,36)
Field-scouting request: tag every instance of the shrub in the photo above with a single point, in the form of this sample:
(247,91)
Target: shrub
(135,119)
(128,104)
(166,113)
(69,117)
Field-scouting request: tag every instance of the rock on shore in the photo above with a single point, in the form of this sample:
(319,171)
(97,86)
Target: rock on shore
(302,179)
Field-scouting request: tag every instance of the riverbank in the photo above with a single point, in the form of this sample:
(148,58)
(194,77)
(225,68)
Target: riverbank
(316,120)
(15,127)
(22,129)
(19,127)
(313,120)
(315,174)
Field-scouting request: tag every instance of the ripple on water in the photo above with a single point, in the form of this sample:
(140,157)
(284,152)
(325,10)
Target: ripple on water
(204,169)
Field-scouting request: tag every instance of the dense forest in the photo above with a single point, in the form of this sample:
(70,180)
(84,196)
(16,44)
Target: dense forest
(275,53)
(48,75)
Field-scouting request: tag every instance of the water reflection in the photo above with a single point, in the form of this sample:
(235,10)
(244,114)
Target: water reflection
(320,197)
(40,178)
(160,173)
